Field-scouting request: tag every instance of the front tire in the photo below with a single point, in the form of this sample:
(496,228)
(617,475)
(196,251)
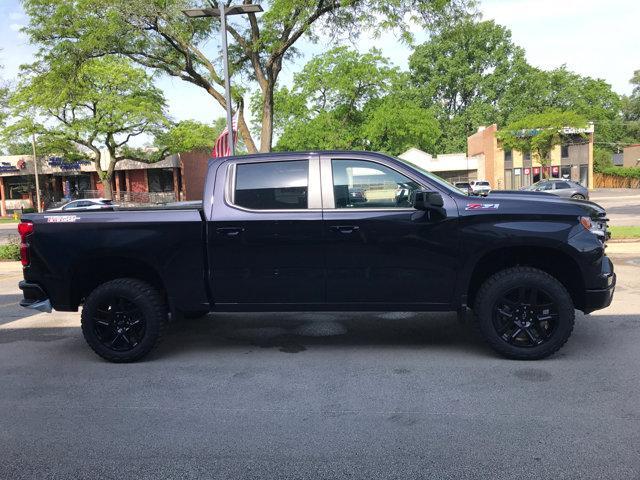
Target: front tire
(524,313)
(123,319)
(578,196)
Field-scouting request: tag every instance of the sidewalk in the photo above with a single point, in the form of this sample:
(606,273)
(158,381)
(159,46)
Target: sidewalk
(622,247)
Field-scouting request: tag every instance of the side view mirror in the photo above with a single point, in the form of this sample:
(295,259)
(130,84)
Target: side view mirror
(427,200)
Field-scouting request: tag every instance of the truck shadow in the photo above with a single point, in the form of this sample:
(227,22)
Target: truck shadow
(297,332)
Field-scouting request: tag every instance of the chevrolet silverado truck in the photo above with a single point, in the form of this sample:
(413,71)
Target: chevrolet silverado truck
(323,231)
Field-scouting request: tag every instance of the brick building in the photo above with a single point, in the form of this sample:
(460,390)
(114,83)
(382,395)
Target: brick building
(507,170)
(177,177)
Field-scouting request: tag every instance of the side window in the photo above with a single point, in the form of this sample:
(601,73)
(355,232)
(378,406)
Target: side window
(545,186)
(562,185)
(363,184)
(71,205)
(272,185)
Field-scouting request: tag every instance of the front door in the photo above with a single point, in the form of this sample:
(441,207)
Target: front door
(380,250)
(265,234)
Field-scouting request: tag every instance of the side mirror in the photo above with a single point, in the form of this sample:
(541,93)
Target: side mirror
(427,200)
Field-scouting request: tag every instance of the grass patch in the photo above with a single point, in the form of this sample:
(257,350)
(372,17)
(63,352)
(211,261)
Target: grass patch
(10,251)
(8,220)
(624,232)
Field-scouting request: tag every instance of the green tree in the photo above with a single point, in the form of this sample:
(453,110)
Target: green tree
(343,99)
(462,72)
(539,133)
(535,91)
(87,110)
(158,36)
(631,110)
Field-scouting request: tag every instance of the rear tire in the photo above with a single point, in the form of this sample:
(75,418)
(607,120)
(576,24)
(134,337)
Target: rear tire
(577,196)
(124,319)
(524,313)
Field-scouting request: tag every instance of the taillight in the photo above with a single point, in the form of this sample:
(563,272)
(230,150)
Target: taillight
(24,229)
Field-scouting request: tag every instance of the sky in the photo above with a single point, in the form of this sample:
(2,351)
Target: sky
(598,38)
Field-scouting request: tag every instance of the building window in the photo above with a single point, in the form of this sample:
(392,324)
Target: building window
(272,185)
(564,151)
(19,187)
(508,156)
(526,155)
(160,180)
(565,172)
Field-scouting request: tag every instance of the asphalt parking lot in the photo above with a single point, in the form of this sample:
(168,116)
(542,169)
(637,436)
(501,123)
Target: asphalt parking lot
(391,395)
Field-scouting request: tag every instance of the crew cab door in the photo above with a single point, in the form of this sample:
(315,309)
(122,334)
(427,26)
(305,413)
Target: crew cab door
(381,252)
(265,233)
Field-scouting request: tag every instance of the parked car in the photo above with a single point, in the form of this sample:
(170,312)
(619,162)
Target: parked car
(272,236)
(561,188)
(480,187)
(84,204)
(357,195)
(465,187)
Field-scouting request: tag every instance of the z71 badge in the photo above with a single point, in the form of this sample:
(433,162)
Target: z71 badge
(482,206)
(62,218)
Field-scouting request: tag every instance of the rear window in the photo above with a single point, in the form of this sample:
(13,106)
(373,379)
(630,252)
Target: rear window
(484,184)
(272,185)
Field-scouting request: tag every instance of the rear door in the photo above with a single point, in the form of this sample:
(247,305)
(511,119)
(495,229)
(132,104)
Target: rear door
(381,252)
(265,233)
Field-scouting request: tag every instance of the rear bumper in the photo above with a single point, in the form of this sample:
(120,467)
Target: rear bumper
(34,297)
(602,297)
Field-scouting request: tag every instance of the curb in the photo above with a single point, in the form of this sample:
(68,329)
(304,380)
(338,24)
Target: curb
(626,246)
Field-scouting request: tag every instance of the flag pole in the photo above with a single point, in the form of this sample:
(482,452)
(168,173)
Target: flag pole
(227,82)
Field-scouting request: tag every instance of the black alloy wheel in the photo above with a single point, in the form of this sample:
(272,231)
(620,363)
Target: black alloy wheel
(525,316)
(124,319)
(119,324)
(578,196)
(524,313)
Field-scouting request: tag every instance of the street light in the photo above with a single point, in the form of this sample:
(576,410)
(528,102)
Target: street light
(223,12)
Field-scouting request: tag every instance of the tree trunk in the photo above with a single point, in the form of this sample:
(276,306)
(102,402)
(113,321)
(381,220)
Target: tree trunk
(266,133)
(106,185)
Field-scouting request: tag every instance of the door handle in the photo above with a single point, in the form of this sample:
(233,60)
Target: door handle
(230,232)
(345,229)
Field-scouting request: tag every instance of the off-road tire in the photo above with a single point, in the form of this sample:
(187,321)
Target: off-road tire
(492,290)
(146,298)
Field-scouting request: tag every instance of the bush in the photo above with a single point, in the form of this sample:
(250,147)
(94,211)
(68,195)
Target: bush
(626,172)
(10,251)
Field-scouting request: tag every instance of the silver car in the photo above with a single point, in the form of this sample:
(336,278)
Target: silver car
(85,204)
(561,188)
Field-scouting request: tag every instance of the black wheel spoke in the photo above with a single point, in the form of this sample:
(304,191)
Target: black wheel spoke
(119,324)
(525,316)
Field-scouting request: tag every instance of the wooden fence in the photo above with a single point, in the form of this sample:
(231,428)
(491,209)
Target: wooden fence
(601,180)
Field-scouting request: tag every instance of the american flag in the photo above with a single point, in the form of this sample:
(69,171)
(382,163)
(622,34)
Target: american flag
(222,147)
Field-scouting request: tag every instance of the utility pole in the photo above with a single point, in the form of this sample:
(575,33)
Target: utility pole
(35,169)
(227,81)
(223,11)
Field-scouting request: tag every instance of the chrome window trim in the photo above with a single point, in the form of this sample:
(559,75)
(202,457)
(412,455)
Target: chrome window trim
(313,175)
(327,180)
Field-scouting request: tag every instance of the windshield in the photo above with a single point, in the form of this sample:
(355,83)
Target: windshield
(433,177)
(483,184)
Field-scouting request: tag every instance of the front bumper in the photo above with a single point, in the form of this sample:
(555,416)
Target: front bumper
(34,297)
(601,298)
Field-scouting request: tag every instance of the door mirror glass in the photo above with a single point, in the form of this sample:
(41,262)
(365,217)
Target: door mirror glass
(427,200)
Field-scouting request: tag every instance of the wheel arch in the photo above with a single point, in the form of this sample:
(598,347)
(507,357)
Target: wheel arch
(89,275)
(556,262)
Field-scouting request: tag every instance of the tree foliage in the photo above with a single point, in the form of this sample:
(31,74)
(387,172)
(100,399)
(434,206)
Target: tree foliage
(463,72)
(157,35)
(539,133)
(343,99)
(82,111)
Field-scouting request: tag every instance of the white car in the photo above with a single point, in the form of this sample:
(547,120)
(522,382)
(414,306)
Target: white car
(84,204)
(480,187)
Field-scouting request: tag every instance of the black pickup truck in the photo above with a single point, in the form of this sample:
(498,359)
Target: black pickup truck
(333,231)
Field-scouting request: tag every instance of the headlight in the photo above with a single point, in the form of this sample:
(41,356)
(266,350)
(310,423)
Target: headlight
(597,228)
